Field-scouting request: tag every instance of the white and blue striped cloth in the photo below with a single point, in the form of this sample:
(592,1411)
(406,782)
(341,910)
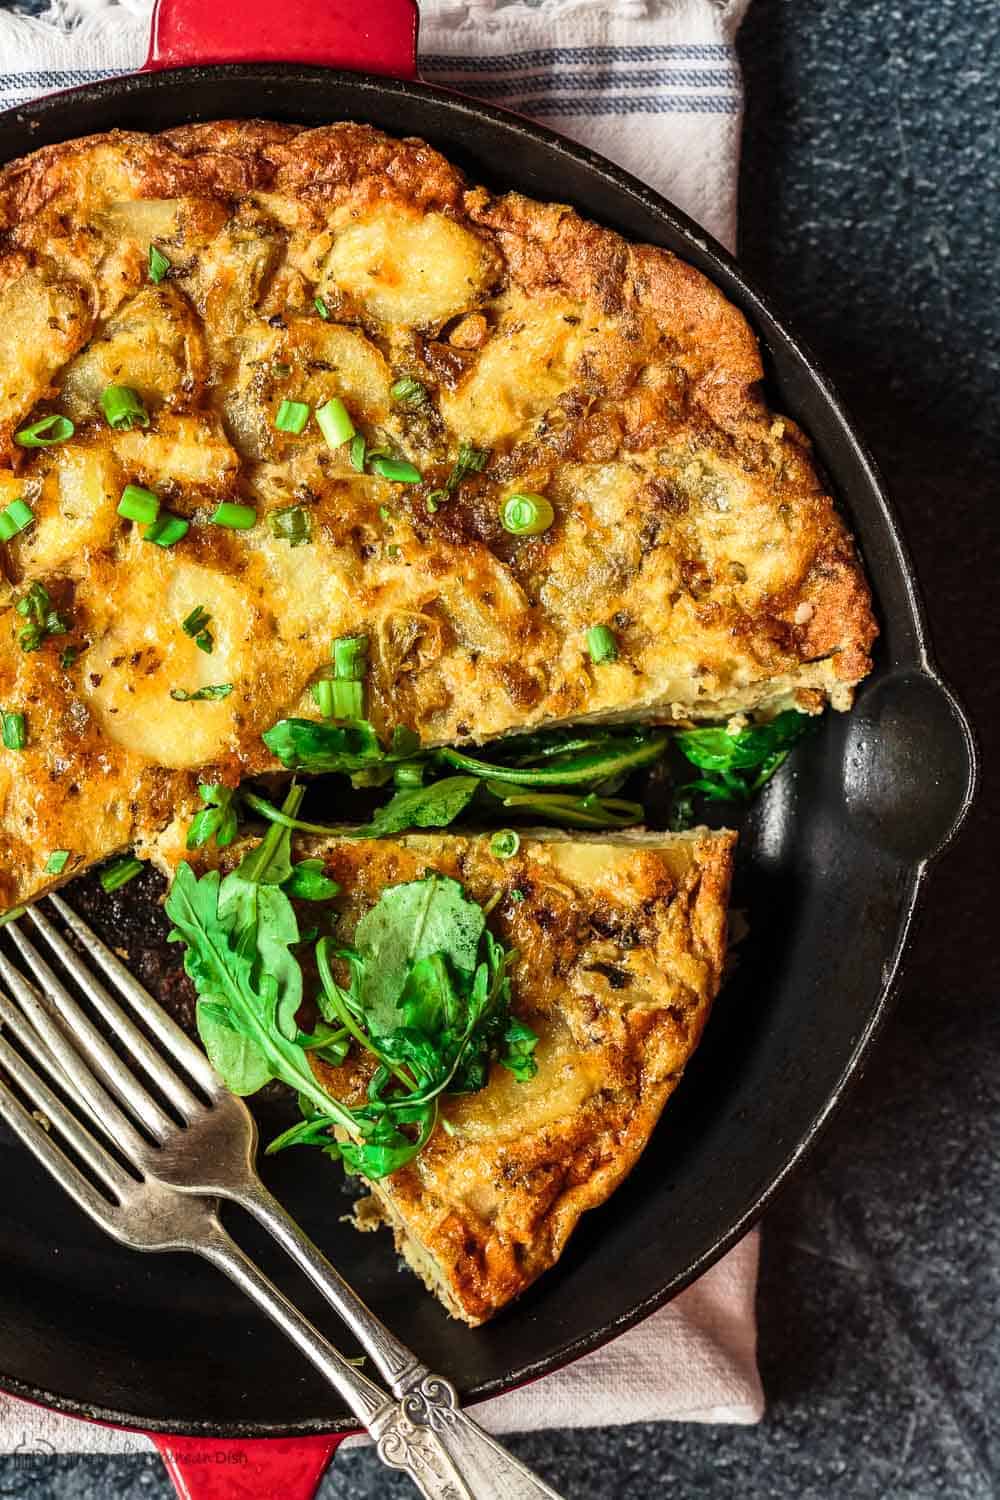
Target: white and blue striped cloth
(654,85)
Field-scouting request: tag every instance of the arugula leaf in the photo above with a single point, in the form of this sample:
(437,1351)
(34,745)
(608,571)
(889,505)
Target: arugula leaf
(736,765)
(519,1044)
(567,810)
(408,923)
(605,757)
(218,819)
(307,882)
(716,749)
(433,806)
(236,999)
(312,745)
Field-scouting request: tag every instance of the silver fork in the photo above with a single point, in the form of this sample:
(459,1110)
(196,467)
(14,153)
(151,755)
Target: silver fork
(167,1199)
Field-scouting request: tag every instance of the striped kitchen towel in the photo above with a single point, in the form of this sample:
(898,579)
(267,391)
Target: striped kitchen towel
(651,84)
(654,85)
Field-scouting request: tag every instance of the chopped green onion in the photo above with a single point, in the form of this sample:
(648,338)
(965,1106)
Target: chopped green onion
(43,619)
(15,730)
(505,844)
(15,517)
(334,422)
(322,692)
(137,504)
(292,416)
(68,656)
(470,461)
(292,524)
(45,432)
(526,515)
(123,408)
(348,700)
(234,517)
(517,895)
(408,392)
(194,626)
(397,470)
(218,690)
(159,265)
(196,620)
(393,551)
(358,453)
(435,500)
(12,915)
(321,308)
(350,663)
(120,871)
(166,530)
(350,657)
(56,862)
(601,644)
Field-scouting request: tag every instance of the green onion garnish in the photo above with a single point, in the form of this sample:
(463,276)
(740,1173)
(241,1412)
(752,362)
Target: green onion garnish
(137,504)
(203,694)
(15,517)
(123,408)
(348,700)
(321,308)
(526,515)
(292,524)
(408,392)
(397,470)
(435,500)
(234,517)
(505,844)
(601,644)
(45,432)
(334,422)
(358,453)
(166,530)
(15,730)
(517,895)
(322,692)
(119,871)
(350,663)
(43,620)
(194,626)
(68,656)
(292,416)
(56,862)
(469,461)
(159,265)
(350,657)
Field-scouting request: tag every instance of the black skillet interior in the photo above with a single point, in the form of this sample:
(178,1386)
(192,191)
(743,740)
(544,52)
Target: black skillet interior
(829,871)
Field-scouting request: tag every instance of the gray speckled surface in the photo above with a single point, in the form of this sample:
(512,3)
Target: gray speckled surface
(869,207)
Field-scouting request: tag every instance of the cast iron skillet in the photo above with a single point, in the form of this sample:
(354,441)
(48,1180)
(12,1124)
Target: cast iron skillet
(835,852)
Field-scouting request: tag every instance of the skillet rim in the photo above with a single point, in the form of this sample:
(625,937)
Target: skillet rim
(915,653)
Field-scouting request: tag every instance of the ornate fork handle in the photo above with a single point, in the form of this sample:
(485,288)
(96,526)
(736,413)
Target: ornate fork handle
(446,1453)
(424,1434)
(480,1466)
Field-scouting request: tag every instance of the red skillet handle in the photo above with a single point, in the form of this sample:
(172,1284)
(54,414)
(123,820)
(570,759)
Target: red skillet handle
(378,36)
(251,1469)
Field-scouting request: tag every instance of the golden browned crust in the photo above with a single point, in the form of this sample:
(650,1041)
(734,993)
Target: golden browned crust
(620,949)
(611,377)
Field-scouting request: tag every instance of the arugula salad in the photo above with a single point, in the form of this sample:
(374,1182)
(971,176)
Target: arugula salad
(423,996)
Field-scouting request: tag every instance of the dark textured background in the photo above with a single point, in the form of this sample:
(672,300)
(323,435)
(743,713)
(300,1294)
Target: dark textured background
(870,193)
